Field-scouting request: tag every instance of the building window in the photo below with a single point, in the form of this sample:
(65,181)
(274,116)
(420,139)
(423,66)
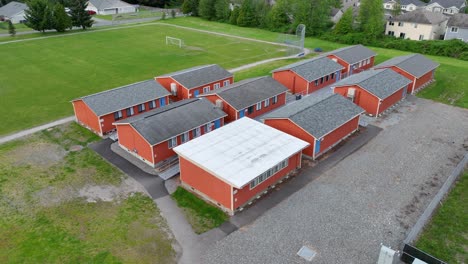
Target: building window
(391,33)
(402,35)
(267,174)
(333,75)
(391,23)
(196,132)
(321,80)
(216,85)
(184,137)
(454,29)
(316,82)
(226,83)
(250,110)
(130,111)
(259,106)
(400,24)
(118,115)
(206,89)
(152,104)
(207,128)
(172,142)
(368,61)
(275,99)
(141,108)
(326,78)
(421,37)
(410,8)
(266,102)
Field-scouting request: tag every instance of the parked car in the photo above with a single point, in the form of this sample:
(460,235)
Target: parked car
(91,12)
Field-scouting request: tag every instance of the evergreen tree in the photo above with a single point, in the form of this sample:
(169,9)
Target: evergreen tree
(318,20)
(278,17)
(173,13)
(234,15)
(222,11)
(11,28)
(79,16)
(62,20)
(371,17)
(36,14)
(206,9)
(396,11)
(246,16)
(190,7)
(262,8)
(345,25)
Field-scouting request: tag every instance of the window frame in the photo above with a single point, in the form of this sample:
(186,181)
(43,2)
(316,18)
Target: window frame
(152,104)
(454,30)
(130,111)
(141,107)
(216,86)
(226,82)
(118,115)
(172,142)
(196,132)
(258,106)
(184,137)
(275,99)
(206,89)
(266,102)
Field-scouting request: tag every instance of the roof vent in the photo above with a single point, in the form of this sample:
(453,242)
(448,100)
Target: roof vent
(306,253)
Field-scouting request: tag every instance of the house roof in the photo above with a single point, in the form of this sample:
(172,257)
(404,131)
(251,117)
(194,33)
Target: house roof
(12,9)
(408,2)
(105,4)
(458,20)
(335,11)
(163,123)
(243,94)
(448,3)
(421,16)
(239,152)
(381,83)
(123,97)
(352,54)
(319,116)
(414,64)
(312,69)
(199,75)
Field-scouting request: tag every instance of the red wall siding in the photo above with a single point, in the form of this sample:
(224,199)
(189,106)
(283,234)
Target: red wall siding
(338,134)
(391,100)
(292,129)
(313,88)
(292,81)
(131,139)
(205,182)
(423,79)
(85,116)
(229,110)
(344,72)
(354,71)
(271,106)
(245,194)
(362,98)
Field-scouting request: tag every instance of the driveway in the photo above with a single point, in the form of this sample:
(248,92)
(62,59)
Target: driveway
(373,196)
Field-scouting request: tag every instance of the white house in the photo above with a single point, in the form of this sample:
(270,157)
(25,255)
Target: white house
(406,5)
(448,7)
(457,27)
(110,7)
(417,25)
(13,11)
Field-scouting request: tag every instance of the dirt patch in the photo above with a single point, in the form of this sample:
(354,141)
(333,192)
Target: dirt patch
(39,154)
(76,148)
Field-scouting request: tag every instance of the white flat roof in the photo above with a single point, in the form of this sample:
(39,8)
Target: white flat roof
(240,151)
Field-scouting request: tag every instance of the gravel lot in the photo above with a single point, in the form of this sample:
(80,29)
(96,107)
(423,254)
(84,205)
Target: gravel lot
(373,196)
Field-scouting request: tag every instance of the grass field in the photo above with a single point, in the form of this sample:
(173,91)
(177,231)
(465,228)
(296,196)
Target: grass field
(40,77)
(50,212)
(18,27)
(200,215)
(140,14)
(446,236)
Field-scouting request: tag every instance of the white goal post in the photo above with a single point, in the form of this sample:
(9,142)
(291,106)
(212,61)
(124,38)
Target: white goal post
(174,41)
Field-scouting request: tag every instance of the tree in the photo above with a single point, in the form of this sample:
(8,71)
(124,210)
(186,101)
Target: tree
(262,8)
(278,17)
(234,15)
(318,19)
(163,17)
(371,18)
(190,7)
(38,15)
(79,16)
(396,10)
(173,13)
(206,9)
(345,25)
(222,11)
(246,16)
(11,28)
(62,20)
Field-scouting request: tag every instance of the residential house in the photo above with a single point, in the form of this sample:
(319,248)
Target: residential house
(335,15)
(252,97)
(13,11)
(98,111)
(307,76)
(110,7)
(354,59)
(190,83)
(417,25)
(322,122)
(448,7)
(232,166)
(457,27)
(152,136)
(405,5)
(349,3)
(416,67)
(374,90)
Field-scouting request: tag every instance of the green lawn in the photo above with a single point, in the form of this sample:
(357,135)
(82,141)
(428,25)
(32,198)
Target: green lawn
(201,216)
(40,77)
(125,16)
(446,236)
(46,219)
(18,27)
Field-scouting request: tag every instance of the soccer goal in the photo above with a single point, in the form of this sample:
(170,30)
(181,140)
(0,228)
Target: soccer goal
(174,41)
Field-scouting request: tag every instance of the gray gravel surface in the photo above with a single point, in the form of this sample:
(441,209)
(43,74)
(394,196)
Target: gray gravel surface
(373,196)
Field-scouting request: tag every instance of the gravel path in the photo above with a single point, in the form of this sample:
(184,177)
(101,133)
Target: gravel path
(373,196)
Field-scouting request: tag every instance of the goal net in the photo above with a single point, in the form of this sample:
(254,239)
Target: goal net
(174,41)
(294,43)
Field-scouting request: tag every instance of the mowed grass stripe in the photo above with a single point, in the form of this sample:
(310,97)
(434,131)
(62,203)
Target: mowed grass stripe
(40,77)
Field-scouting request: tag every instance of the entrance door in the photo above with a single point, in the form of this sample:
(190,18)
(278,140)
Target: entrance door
(241,113)
(317,146)
(217,123)
(196,93)
(162,102)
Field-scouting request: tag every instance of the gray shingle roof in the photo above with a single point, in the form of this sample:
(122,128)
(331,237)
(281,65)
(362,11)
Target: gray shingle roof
(381,83)
(104,4)
(318,116)
(408,2)
(12,9)
(458,20)
(421,16)
(243,94)
(448,3)
(414,64)
(199,75)
(123,97)
(169,121)
(353,54)
(314,68)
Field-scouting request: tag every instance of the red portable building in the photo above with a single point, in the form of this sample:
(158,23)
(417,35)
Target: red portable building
(354,59)
(98,111)
(235,164)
